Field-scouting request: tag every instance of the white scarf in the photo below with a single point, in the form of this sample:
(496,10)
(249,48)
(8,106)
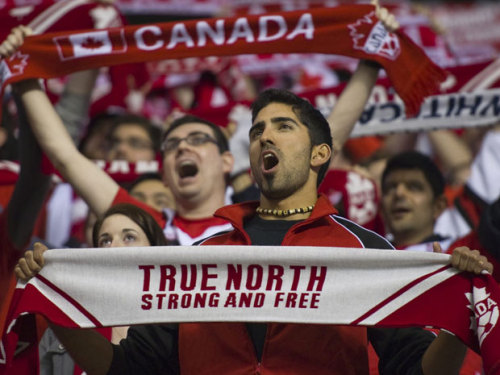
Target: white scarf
(119,286)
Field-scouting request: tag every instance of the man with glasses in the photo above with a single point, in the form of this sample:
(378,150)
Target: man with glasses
(196,163)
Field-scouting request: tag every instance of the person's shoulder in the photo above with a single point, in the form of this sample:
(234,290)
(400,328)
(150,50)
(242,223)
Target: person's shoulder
(368,238)
(219,238)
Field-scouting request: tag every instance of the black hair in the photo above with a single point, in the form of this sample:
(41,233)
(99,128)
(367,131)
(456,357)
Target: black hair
(143,219)
(317,126)
(144,177)
(153,131)
(221,139)
(95,124)
(418,161)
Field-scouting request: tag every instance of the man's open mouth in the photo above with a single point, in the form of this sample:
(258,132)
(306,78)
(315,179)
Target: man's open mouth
(269,161)
(187,168)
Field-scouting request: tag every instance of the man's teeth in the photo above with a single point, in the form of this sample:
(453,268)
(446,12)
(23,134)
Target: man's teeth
(269,161)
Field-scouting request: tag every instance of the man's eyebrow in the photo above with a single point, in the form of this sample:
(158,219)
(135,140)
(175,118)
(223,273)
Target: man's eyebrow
(257,125)
(194,132)
(274,120)
(282,119)
(416,182)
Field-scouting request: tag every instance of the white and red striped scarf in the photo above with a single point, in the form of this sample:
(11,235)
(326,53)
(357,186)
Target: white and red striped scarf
(49,15)
(119,286)
(346,30)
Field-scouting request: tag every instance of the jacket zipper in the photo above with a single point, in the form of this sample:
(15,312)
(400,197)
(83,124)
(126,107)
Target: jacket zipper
(257,370)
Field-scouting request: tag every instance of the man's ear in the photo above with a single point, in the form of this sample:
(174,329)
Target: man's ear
(440,205)
(227,162)
(320,155)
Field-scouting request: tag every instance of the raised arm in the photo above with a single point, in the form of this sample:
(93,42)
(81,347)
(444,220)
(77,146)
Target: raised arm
(31,187)
(454,154)
(351,103)
(89,181)
(73,105)
(355,95)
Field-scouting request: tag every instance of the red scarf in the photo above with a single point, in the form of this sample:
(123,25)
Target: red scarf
(346,30)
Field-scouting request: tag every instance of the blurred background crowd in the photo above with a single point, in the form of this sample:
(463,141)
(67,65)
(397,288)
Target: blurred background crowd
(116,117)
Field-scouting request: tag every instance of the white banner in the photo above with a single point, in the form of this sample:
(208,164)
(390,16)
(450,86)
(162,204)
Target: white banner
(452,111)
(221,283)
(122,286)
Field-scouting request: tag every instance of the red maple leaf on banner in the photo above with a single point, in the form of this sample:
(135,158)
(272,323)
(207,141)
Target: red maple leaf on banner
(18,62)
(92,43)
(369,35)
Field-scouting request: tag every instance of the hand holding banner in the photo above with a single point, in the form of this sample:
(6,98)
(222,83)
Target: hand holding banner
(116,286)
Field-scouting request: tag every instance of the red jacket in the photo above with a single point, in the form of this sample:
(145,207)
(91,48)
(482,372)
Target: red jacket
(226,348)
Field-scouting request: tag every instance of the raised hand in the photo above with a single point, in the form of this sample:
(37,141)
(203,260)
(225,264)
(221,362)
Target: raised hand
(14,40)
(386,17)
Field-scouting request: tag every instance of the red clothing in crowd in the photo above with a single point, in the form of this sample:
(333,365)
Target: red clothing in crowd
(349,343)
(177,229)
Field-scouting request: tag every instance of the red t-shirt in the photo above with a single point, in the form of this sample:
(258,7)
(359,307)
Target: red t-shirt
(122,196)
(185,231)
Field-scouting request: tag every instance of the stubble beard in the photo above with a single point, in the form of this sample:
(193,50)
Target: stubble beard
(284,183)
(275,188)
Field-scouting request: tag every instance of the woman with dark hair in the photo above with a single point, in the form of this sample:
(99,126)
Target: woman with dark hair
(141,218)
(122,225)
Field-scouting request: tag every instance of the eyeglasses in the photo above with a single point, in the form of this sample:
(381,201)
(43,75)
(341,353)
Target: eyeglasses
(193,139)
(133,142)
